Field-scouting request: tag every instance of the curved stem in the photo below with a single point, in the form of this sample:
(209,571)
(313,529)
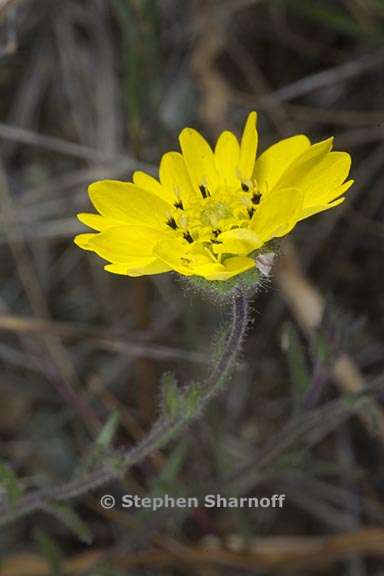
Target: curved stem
(164,429)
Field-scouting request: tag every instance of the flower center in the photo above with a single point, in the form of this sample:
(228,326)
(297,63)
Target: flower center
(214,213)
(205,218)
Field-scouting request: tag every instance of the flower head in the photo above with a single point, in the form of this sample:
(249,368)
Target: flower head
(212,213)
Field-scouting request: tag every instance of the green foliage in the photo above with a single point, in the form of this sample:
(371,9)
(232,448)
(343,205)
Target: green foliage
(322,348)
(192,397)
(50,551)
(297,363)
(108,432)
(350,399)
(302,460)
(170,395)
(291,460)
(101,448)
(372,417)
(10,483)
(378,5)
(176,402)
(167,482)
(140,44)
(71,520)
(222,291)
(170,472)
(333,16)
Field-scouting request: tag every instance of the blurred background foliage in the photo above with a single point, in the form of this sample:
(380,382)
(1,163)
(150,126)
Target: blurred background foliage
(94,89)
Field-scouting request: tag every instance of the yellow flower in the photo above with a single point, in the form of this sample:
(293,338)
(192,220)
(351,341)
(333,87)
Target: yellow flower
(213,211)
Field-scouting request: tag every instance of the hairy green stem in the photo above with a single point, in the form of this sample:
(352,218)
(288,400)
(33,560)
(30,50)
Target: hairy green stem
(165,429)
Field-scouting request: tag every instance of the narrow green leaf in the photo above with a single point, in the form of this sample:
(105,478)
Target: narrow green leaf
(373,417)
(174,464)
(101,446)
(139,26)
(322,348)
(167,482)
(108,432)
(71,519)
(192,397)
(170,394)
(9,481)
(334,17)
(291,460)
(50,551)
(297,363)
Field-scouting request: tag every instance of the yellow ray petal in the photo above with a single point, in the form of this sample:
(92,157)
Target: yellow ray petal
(297,171)
(334,198)
(199,159)
(147,182)
(182,256)
(139,267)
(173,252)
(311,211)
(248,147)
(128,203)
(341,189)
(98,222)
(231,267)
(277,214)
(82,240)
(276,159)
(319,183)
(238,264)
(125,243)
(227,157)
(238,241)
(210,271)
(175,178)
